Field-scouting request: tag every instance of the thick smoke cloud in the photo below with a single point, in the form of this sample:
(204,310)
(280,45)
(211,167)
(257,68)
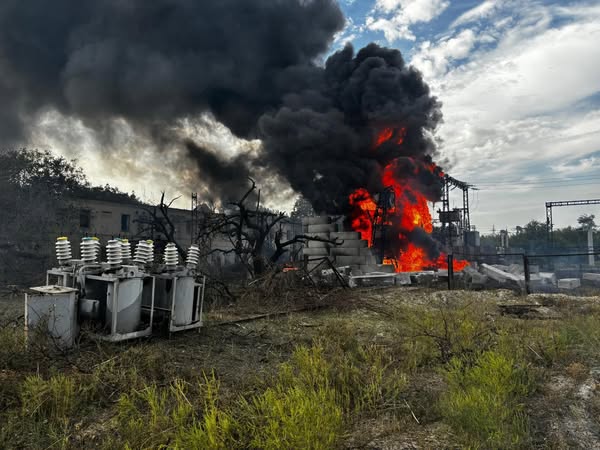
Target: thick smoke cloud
(153,62)
(252,64)
(322,138)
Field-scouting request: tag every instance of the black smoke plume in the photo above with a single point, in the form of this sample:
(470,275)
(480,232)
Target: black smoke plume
(252,64)
(153,62)
(322,137)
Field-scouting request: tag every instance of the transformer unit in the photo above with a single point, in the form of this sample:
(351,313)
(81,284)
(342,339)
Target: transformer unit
(53,310)
(175,286)
(118,299)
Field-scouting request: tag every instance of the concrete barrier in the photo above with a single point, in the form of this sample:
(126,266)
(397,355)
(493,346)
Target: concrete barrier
(349,260)
(316,220)
(345,235)
(345,251)
(354,244)
(321,228)
(317,251)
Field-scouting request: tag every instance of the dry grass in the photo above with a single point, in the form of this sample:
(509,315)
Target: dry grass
(374,365)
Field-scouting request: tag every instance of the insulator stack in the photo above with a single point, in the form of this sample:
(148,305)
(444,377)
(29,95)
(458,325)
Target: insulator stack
(126,249)
(63,250)
(90,250)
(193,256)
(171,256)
(144,253)
(114,252)
(150,259)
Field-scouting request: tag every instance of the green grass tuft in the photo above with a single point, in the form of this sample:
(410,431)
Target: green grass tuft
(484,401)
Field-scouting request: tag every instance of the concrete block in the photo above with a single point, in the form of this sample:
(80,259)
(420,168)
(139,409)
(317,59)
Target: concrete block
(425,279)
(355,243)
(569,283)
(371,259)
(515,269)
(321,228)
(591,278)
(346,235)
(377,268)
(548,278)
(403,279)
(345,251)
(314,244)
(316,251)
(500,275)
(316,220)
(372,280)
(367,251)
(474,279)
(349,260)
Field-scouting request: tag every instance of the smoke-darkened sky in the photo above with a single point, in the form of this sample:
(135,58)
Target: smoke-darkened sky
(256,67)
(124,86)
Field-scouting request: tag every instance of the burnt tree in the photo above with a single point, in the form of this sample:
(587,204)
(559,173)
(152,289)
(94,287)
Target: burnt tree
(248,228)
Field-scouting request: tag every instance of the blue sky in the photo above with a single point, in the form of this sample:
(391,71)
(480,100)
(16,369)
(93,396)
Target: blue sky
(520,85)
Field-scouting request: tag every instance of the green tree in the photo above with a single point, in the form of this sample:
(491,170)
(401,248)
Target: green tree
(302,208)
(586,221)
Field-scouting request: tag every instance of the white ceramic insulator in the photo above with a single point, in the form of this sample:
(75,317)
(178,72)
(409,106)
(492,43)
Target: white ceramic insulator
(114,252)
(171,256)
(126,249)
(90,250)
(150,258)
(63,251)
(193,257)
(144,252)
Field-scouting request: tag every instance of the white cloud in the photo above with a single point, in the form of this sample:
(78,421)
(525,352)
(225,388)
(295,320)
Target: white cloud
(481,11)
(395,17)
(581,167)
(512,107)
(433,60)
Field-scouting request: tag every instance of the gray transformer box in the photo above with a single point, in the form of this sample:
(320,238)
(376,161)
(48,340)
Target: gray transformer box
(55,309)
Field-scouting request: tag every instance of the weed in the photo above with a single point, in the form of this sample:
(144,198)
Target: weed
(51,400)
(443,330)
(12,346)
(294,417)
(215,430)
(155,417)
(483,401)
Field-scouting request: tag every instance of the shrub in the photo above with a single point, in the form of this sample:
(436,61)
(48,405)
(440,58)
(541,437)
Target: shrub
(442,331)
(483,401)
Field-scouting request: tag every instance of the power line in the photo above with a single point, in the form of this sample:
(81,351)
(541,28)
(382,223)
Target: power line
(544,180)
(531,186)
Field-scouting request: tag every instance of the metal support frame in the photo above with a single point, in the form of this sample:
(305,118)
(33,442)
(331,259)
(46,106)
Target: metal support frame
(451,183)
(385,202)
(195,218)
(56,272)
(114,336)
(550,205)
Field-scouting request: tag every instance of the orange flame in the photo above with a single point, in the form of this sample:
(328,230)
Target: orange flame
(411,205)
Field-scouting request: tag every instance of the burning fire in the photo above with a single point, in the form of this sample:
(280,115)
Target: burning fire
(408,211)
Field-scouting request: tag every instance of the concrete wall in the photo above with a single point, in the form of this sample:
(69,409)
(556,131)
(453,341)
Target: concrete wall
(111,219)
